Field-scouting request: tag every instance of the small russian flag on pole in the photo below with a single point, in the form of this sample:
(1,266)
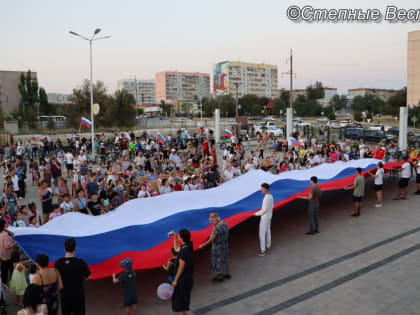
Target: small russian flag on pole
(86,122)
(228,133)
(161,139)
(293,142)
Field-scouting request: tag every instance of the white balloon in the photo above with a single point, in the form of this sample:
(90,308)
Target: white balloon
(165,291)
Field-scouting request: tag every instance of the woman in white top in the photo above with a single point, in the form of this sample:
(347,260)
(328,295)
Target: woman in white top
(32,302)
(379,180)
(165,188)
(143,193)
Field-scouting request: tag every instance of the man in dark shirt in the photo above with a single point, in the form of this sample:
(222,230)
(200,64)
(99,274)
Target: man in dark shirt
(314,196)
(92,186)
(74,272)
(94,205)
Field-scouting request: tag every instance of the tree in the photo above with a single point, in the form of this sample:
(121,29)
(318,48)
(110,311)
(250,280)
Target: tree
(45,108)
(358,116)
(338,102)
(209,105)
(393,104)
(279,106)
(28,89)
(331,116)
(120,111)
(315,92)
(80,103)
(368,102)
(305,107)
(166,108)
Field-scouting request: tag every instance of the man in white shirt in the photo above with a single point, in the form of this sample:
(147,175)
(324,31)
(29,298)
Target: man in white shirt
(405,177)
(20,149)
(228,173)
(266,214)
(379,180)
(68,158)
(140,160)
(249,165)
(82,156)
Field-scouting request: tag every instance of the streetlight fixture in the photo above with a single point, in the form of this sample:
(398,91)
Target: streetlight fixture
(91,40)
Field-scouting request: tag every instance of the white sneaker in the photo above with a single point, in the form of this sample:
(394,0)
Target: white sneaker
(378,205)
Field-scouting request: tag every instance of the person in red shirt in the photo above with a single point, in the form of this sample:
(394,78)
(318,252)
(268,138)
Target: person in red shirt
(379,153)
(206,151)
(213,151)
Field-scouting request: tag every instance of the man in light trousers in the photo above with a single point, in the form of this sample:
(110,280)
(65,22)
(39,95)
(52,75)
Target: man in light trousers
(266,214)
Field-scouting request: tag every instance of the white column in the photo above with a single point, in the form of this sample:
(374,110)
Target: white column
(217,125)
(289,122)
(403,128)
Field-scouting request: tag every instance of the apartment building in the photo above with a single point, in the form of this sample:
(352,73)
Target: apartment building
(383,94)
(231,77)
(142,90)
(413,69)
(9,90)
(185,87)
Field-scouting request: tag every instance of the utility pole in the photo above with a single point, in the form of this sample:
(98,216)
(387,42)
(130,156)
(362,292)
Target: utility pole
(236,108)
(135,84)
(289,110)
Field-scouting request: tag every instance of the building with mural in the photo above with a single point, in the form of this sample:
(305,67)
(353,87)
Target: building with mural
(248,78)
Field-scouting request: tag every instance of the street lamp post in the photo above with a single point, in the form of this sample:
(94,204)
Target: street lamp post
(91,40)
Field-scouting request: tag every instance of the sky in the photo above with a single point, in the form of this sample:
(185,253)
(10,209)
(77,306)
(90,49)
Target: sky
(192,35)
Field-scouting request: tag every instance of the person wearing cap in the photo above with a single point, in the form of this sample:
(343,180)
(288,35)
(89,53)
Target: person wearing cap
(379,180)
(128,282)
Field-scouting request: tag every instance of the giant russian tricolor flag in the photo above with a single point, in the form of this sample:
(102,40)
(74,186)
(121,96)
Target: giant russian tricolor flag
(85,122)
(139,228)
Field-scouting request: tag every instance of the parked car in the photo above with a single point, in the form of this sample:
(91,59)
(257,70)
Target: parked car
(344,122)
(323,119)
(302,123)
(370,135)
(256,118)
(354,124)
(334,124)
(367,135)
(270,118)
(389,138)
(276,131)
(353,133)
(264,125)
(415,141)
(396,132)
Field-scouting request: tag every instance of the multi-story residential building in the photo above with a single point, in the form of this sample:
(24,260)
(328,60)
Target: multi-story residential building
(10,97)
(381,93)
(231,77)
(413,69)
(57,98)
(142,90)
(185,87)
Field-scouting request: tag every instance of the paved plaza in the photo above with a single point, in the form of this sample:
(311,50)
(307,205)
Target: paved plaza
(365,265)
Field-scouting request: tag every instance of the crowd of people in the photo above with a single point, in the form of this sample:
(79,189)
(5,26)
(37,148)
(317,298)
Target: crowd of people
(144,166)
